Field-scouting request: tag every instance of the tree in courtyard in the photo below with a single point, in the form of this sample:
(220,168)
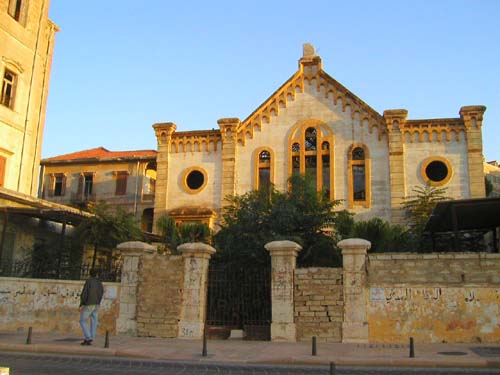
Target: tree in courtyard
(383,236)
(195,232)
(253,219)
(174,235)
(419,207)
(169,233)
(106,229)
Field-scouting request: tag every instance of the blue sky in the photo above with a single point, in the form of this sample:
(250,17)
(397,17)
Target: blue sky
(121,66)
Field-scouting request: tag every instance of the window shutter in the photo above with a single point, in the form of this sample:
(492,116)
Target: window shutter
(51,185)
(79,192)
(63,187)
(2,170)
(12,8)
(121,183)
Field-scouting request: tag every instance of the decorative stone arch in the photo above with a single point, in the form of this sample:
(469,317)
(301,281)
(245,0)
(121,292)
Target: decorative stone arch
(354,162)
(260,164)
(317,158)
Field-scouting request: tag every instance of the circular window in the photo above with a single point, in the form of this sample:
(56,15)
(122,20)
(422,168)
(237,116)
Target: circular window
(195,179)
(436,171)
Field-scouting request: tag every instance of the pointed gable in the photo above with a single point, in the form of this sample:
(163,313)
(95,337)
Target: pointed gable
(310,72)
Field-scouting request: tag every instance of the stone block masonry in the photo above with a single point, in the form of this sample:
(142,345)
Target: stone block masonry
(452,269)
(319,304)
(159,295)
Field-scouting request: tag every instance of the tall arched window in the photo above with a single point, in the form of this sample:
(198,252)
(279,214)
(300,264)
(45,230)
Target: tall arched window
(311,153)
(264,171)
(358,176)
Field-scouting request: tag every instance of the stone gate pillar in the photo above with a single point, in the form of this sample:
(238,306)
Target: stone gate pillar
(355,324)
(194,294)
(131,253)
(283,261)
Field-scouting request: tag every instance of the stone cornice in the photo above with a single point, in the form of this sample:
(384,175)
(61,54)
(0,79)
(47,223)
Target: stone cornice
(193,141)
(433,130)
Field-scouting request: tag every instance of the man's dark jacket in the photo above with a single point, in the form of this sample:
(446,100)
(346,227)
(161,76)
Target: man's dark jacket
(92,292)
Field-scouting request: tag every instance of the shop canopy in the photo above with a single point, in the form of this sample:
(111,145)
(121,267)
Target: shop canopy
(464,215)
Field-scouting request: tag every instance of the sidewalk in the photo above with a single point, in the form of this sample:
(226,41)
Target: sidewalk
(260,352)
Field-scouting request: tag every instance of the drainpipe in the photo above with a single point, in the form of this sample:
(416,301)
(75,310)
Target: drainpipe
(136,189)
(41,180)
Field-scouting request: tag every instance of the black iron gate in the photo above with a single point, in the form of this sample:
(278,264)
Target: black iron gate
(239,297)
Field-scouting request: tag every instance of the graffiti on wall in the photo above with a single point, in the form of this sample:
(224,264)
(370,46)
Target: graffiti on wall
(406,294)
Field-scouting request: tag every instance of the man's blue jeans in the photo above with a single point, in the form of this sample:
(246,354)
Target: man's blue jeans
(92,312)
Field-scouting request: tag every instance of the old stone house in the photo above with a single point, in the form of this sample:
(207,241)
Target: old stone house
(314,124)
(123,179)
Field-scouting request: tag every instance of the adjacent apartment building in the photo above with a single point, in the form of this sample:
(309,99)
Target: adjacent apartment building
(123,179)
(26,45)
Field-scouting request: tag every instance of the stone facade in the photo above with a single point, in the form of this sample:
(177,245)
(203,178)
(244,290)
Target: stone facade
(370,161)
(319,304)
(52,305)
(159,295)
(26,46)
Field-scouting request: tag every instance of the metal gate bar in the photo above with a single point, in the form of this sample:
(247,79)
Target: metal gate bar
(239,298)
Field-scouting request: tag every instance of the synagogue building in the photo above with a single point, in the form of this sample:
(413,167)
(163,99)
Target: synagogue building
(313,124)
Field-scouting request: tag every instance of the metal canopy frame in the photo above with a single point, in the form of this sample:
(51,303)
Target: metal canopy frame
(466,215)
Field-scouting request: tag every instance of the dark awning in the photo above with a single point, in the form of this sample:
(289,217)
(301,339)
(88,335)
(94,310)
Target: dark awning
(58,216)
(465,214)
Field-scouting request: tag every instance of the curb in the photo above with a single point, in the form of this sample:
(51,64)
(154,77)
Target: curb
(128,353)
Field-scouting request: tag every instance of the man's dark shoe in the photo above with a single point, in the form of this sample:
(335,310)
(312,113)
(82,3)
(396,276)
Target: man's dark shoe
(86,342)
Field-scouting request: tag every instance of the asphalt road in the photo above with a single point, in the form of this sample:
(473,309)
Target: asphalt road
(39,364)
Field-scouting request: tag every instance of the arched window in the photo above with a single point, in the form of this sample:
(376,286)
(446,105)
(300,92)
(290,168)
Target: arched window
(264,171)
(358,176)
(311,153)
(149,180)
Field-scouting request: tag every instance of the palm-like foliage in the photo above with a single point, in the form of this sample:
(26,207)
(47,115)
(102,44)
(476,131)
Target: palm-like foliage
(169,232)
(419,206)
(106,229)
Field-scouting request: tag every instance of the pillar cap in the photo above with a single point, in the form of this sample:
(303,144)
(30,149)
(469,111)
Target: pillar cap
(135,248)
(283,247)
(196,250)
(354,243)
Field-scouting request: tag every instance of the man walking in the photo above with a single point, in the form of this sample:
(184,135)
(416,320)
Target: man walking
(90,299)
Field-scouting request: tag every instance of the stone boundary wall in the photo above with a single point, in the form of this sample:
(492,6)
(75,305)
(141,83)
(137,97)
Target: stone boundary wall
(318,304)
(52,305)
(159,295)
(436,297)
(434,268)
